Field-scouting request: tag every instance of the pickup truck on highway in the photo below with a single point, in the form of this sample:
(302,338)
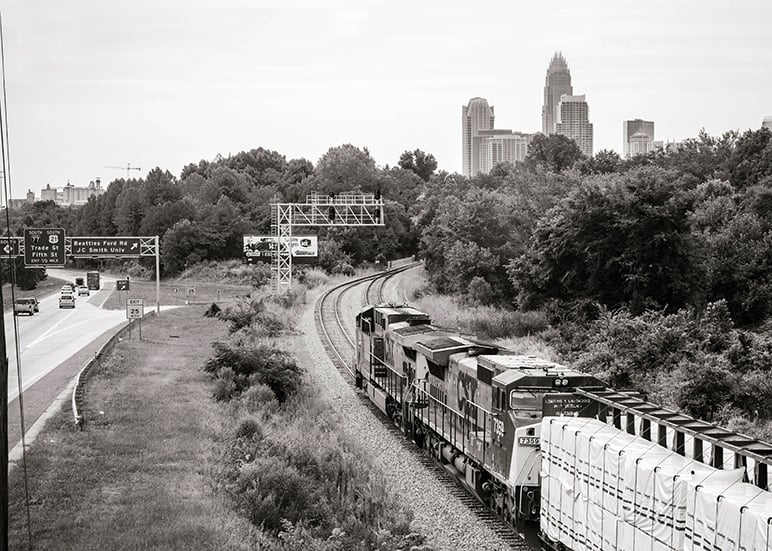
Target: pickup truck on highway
(25,306)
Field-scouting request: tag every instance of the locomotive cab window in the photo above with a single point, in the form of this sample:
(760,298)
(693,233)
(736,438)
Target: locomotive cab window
(525,403)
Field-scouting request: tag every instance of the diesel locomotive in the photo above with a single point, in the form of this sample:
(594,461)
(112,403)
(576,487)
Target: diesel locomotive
(475,406)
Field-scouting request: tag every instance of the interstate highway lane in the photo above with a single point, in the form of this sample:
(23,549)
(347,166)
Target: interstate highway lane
(51,336)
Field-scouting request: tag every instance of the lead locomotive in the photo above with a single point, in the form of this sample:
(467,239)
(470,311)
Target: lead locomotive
(475,406)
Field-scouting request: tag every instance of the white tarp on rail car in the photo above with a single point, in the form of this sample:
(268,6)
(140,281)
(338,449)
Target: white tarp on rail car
(603,488)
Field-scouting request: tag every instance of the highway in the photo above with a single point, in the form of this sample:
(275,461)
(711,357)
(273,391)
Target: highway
(43,341)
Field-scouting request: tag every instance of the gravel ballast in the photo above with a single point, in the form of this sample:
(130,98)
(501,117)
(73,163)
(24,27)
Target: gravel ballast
(448,525)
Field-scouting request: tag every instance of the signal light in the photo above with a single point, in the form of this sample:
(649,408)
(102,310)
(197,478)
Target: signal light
(331,213)
(378,194)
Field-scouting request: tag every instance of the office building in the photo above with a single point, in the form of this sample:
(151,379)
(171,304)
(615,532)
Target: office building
(557,83)
(477,115)
(501,146)
(574,123)
(637,137)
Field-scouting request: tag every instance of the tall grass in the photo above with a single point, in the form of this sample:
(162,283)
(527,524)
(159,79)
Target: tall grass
(486,322)
(288,466)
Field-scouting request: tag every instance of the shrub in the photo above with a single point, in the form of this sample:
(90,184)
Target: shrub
(213,311)
(497,324)
(313,278)
(480,292)
(236,368)
(707,387)
(259,398)
(269,324)
(294,298)
(249,428)
(260,274)
(241,314)
(344,268)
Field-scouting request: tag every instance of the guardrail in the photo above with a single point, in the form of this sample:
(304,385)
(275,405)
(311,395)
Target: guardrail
(77,391)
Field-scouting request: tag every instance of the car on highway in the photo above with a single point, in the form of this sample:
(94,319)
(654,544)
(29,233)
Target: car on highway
(66,300)
(24,306)
(83,291)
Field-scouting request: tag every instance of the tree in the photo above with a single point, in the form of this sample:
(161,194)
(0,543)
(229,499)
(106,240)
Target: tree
(421,163)
(625,244)
(480,226)
(604,161)
(555,152)
(159,187)
(347,168)
(160,218)
(129,210)
(751,159)
(180,244)
(26,278)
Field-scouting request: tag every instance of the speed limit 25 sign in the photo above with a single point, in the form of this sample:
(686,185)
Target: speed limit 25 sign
(135,309)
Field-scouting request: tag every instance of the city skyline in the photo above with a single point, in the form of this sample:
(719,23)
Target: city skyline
(92,85)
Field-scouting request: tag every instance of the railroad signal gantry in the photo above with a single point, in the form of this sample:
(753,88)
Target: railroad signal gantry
(345,209)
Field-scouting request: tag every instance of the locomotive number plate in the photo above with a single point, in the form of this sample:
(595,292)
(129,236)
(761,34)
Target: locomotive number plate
(528,441)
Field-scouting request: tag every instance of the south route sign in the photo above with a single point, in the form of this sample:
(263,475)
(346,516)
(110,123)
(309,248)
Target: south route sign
(105,246)
(9,246)
(44,247)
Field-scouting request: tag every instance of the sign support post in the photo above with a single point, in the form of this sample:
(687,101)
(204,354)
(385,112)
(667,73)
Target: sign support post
(157,283)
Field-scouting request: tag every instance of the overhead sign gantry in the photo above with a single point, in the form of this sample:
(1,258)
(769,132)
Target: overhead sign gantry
(345,209)
(50,247)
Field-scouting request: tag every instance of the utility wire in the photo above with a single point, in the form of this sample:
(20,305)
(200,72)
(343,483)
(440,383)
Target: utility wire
(6,165)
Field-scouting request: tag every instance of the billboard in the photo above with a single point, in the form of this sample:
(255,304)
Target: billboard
(304,248)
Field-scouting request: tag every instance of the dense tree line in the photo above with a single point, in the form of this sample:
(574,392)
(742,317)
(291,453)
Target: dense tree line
(669,232)
(656,271)
(203,214)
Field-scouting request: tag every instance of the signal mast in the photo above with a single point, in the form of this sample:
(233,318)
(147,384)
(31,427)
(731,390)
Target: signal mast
(345,209)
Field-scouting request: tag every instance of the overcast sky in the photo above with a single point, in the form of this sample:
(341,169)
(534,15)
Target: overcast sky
(93,83)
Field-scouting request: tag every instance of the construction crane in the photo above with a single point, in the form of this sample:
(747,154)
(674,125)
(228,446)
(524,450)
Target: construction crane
(127,168)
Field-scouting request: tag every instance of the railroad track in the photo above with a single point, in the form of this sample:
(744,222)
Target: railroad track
(340,345)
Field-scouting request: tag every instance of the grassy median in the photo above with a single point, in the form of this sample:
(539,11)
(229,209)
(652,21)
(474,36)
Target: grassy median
(137,476)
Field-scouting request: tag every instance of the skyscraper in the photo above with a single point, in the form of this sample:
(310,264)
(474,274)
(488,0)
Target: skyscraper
(557,83)
(637,137)
(501,146)
(475,116)
(574,122)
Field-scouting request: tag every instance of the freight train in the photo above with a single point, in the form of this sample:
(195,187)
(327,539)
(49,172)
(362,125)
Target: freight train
(477,407)
(489,416)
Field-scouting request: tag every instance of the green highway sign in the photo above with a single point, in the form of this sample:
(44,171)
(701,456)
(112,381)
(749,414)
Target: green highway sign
(44,247)
(105,246)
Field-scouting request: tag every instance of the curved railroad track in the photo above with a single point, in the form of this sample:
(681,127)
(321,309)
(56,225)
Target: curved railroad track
(340,346)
